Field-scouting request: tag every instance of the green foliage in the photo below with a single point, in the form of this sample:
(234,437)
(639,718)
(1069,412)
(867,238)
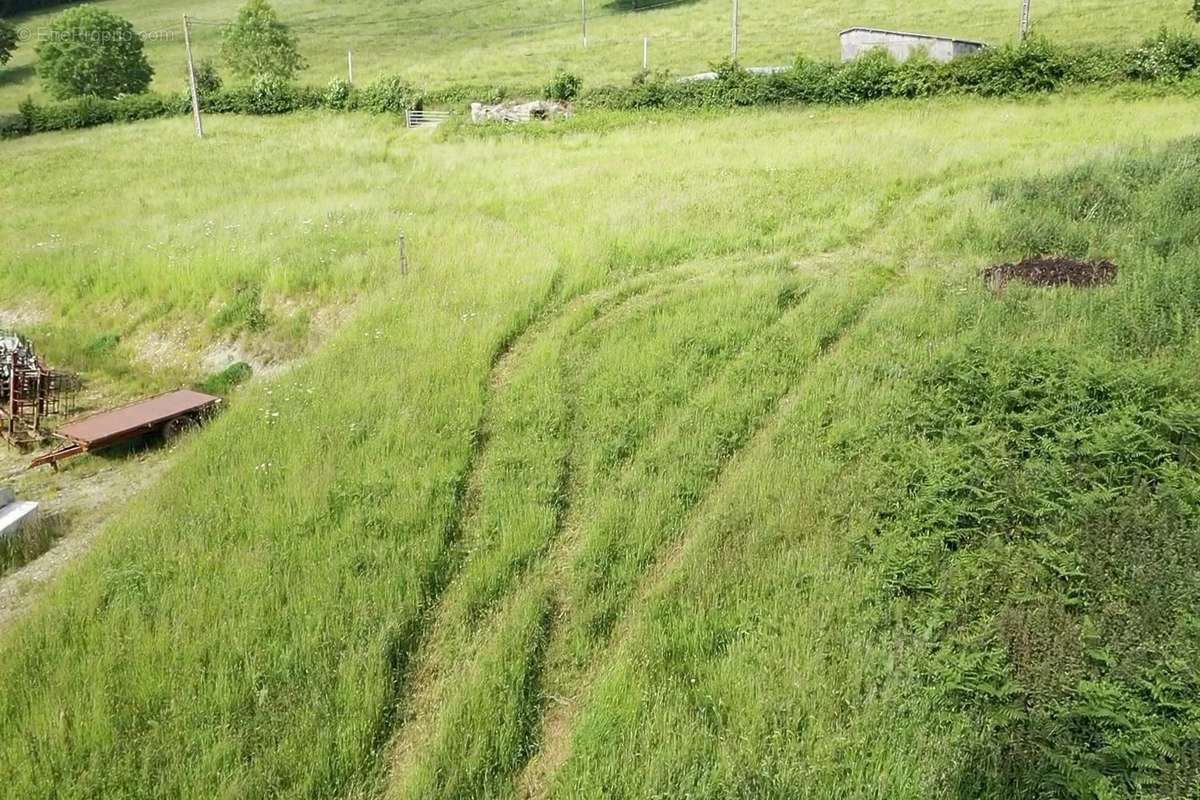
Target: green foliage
(8,41)
(243,311)
(389,95)
(1034,66)
(336,96)
(224,382)
(1037,525)
(87,112)
(1195,12)
(258,44)
(563,87)
(1167,57)
(208,80)
(94,53)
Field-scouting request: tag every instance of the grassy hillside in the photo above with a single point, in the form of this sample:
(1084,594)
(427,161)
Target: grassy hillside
(709,467)
(436,42)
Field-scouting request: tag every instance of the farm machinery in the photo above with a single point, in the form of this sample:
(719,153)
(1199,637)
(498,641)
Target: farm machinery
(30,392)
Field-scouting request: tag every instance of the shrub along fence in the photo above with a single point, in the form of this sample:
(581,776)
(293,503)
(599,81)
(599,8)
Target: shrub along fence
(1034,66)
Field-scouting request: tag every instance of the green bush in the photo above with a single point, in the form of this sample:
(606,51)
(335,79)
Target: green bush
(13,125)
(268,94)
(337,95)
(264,95)
(866,78)
(564,87)
(224,382)
(920,76)
(1034,66)
(92,52)
(208,80)
(389,96)
(1167,57)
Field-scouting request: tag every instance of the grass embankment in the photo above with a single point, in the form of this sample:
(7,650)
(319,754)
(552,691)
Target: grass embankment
(617,492)
(434,43)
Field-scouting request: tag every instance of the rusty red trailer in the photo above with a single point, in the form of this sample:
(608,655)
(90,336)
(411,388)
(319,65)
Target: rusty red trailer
(167,413)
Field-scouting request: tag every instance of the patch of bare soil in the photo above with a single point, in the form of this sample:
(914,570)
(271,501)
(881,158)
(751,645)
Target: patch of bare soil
(22,316)
(85,501)
(1051,271)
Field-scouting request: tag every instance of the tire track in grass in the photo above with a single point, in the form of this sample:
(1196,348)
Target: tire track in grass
(561,718)
(430,706)
(409,724)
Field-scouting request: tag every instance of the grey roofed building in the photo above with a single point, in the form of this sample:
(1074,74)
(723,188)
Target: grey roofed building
(902,46)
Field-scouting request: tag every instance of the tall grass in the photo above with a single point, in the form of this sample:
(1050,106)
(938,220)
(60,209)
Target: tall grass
(577,506)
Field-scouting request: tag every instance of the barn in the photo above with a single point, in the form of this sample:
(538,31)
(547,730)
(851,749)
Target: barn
(902,46)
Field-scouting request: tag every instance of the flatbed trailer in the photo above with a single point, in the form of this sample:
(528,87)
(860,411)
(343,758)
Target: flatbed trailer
(168,413)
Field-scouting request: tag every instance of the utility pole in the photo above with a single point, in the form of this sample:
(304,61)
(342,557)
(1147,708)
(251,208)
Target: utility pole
(1025,20)
(584,2)
(187,43)
(350,67)
(735,28)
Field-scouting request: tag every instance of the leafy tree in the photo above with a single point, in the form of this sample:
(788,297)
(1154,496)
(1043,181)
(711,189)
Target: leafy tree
(257,43)
(90,52)
(1196,10)
(8,41)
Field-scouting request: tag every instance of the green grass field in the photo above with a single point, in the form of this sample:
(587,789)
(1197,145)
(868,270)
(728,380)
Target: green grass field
(439,42)
(676,465)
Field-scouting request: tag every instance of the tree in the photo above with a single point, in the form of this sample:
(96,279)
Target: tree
(91,52)
(8,41)
(1196,10)
(257,43)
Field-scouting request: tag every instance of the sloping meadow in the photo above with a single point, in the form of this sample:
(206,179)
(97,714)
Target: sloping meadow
(693,457)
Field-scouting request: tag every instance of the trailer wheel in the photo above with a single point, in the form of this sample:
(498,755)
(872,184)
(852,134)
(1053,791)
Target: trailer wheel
(177,427)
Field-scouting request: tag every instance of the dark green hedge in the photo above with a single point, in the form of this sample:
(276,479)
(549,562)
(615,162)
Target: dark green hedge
(1035,66)
(262,96)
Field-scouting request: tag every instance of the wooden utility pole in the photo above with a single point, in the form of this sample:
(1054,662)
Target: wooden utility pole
(584,5)
(187,43)
(350,67)
(1025,20)
(735,29)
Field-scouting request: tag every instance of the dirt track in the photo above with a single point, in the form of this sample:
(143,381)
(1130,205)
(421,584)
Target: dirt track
(89,500)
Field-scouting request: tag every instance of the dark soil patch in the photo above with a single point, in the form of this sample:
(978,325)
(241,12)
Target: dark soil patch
(1051,271)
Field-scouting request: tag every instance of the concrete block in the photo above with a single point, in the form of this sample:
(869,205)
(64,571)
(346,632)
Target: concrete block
(15,516)
(7,496)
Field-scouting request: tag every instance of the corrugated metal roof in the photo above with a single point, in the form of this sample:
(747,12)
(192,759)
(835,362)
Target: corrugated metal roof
(144,414)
